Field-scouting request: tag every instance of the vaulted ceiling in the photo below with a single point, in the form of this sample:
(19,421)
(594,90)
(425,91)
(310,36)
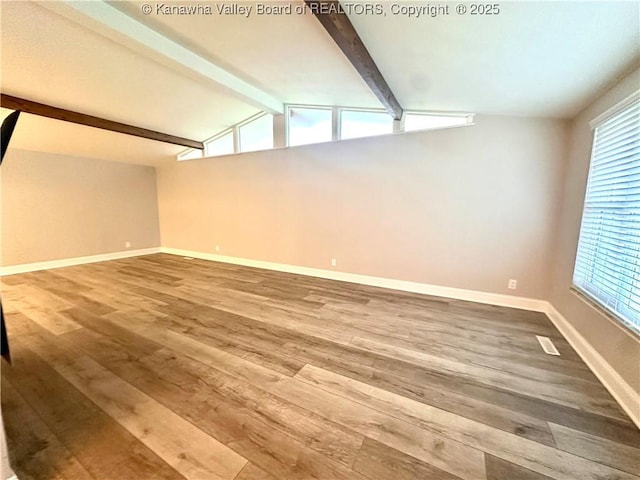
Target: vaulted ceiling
(531,59)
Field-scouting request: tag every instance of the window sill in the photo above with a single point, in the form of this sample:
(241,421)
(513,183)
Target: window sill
(599,308)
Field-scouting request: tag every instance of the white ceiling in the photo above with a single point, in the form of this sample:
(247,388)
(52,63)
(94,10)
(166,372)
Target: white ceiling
(42,134)
(534,58)
(538,58)
(290,56)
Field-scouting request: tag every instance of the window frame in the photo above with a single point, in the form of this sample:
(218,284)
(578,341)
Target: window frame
(238,136)
(470,118)
(218,136)
(281,138)
(591,299)
(288,107)
(184,156)
(341,110)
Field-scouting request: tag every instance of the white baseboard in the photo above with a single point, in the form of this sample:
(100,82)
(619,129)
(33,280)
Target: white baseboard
(406,286)
(69,262)
(613,382)
(626,396)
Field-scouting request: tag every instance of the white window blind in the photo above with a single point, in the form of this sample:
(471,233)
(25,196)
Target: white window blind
(608,259)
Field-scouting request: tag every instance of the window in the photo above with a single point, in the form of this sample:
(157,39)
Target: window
(190,154)
(219,145)
(309,125)
(355,124)
(414,121)
(257,134)
(608,259)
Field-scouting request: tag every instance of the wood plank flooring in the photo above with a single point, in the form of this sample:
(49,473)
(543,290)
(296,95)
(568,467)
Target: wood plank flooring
(161,367)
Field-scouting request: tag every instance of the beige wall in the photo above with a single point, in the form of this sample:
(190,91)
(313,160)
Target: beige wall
(617,345)
(57,207)
(468,207)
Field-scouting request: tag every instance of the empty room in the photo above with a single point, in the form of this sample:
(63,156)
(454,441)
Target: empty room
(320,240)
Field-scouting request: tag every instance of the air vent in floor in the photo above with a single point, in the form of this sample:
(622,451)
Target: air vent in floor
(547,345)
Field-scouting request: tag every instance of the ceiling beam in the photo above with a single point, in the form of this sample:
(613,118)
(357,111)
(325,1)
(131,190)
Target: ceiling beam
(337,24)
(27,106)
(115,25)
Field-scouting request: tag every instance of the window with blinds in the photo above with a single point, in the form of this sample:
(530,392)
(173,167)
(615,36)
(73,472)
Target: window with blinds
(608,259)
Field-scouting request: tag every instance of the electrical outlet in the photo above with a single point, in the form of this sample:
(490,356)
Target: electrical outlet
(513,284)
(333,262)
(127,244)
(217,248)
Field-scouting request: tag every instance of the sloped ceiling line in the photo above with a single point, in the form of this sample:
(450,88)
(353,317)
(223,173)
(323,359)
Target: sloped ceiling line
(111,22)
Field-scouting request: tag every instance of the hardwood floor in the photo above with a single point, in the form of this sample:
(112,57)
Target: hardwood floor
(161,367)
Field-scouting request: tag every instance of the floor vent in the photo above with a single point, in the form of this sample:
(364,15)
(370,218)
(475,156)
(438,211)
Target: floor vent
(547,345)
